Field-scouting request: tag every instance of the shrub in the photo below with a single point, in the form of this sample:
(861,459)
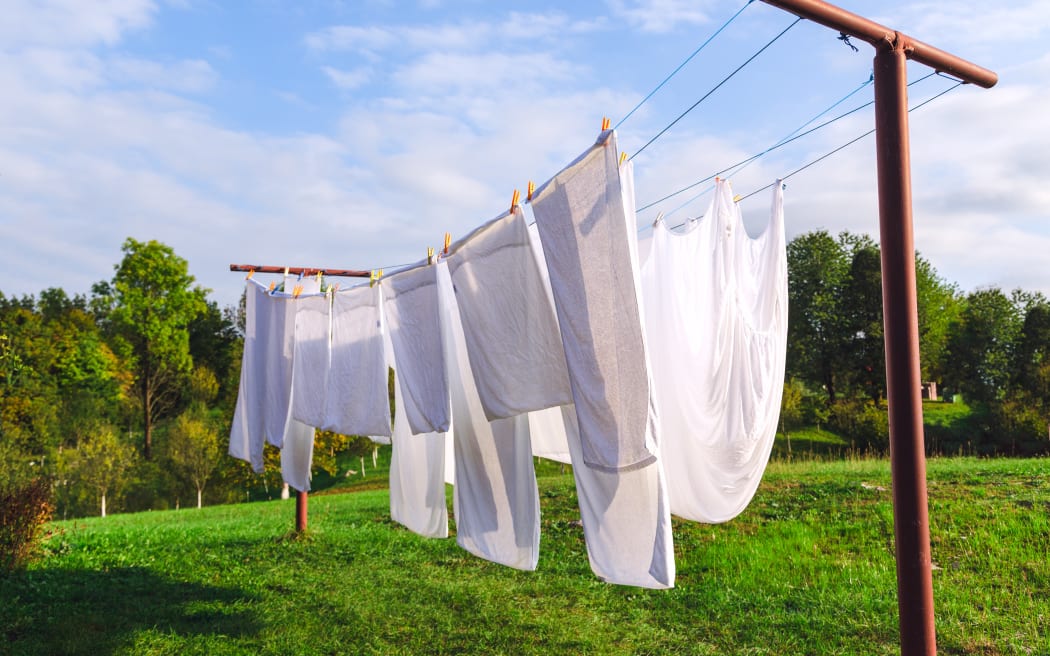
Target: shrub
(862,422)
(24,509)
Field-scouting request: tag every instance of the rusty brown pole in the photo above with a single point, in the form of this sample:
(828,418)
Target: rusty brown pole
(900,318)
(900,314)
(300,511)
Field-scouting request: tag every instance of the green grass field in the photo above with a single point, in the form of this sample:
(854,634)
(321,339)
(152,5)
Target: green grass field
(807,569)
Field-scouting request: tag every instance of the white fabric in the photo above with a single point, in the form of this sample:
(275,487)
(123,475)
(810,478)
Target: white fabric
(275,328)
(311,360)
(247,433)
(297,442)
(411,307)
(358,401)
(716,319)
(547,434)
(626,518)
(297,455)
(587,246)
(495,499)
(417,470)
(512,338)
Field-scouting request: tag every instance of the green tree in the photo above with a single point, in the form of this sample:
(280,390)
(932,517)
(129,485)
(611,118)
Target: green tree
(818,268)
(981,345)
(194,449)
(154,301)
(100,463)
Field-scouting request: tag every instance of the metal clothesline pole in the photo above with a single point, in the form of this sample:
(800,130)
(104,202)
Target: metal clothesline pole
(900,314)
(301,498)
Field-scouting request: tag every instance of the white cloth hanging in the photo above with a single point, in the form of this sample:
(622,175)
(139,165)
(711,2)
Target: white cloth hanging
(297,442)
(495,499)
(247,433)
(716,322)
(358,400)
(310,363)
(411,307)
(626,517)
(417,469)
(586,236)
(512,339)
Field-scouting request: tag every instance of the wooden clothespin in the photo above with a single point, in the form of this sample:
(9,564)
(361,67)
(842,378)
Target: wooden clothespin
(606,123)
(250,274)
(285,272)
(448,242)
(430,255)
(320,274)
(273,283)
(514,200)
(737,198)
(623,157)
(298,289)
(530,190)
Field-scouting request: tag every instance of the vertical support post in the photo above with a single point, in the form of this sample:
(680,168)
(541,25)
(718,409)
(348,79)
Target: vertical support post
(300,511)
(903,387)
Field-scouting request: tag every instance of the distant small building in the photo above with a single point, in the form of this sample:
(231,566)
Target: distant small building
(929,390)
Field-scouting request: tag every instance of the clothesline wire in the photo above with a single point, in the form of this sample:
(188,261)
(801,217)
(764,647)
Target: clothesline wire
(783,142)
(848,143)
(716,87)
(682,65)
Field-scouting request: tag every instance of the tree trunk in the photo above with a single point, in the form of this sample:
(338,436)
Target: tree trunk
(285,494)
(103,504)
(362,466)
(375,456)
(147,408)
(199,491)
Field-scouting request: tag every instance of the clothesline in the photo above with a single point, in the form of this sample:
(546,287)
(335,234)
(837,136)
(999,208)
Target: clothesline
(305,271)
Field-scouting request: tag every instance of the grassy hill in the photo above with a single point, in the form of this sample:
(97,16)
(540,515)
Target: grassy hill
(807,569)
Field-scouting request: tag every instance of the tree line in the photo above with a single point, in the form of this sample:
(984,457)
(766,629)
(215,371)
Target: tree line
(987,348)
(124,396)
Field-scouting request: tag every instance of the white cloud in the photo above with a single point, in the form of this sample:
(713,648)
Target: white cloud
(348,80)
(660,15)
(70,23)
(187,76)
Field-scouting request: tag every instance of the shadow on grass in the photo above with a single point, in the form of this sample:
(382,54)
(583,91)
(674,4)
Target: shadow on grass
(78,611)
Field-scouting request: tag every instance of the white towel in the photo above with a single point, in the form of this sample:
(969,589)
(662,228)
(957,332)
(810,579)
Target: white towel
(626,518)
(247,433)
(297,455)
(495,499)
(411,307)
(311,360)
(275,327)
(511,334)
(358,401)
(716,317)
(417,478)
(585,233)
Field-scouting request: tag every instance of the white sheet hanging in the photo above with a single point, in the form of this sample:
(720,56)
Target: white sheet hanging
(495,499)
(358,401)
(585,232)
(417,470)
(412,319)
(311,360)
(716,322)
(626,517)
(247,433)
(512,337)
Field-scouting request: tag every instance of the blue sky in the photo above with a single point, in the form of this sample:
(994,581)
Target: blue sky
(355,134)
